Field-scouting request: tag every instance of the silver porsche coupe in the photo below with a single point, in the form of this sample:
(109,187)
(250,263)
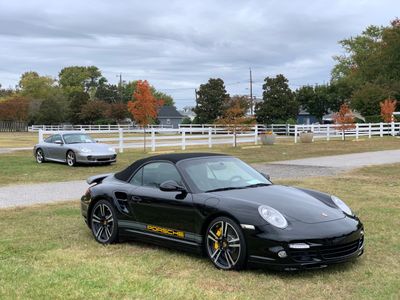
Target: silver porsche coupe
(73,148)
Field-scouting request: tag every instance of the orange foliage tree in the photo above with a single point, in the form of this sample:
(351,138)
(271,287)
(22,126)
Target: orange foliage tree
(15,108)
(344,119)
(144,108)
(234,118)
(388,106)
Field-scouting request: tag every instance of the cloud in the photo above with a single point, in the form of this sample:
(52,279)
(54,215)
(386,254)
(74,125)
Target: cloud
(177,45)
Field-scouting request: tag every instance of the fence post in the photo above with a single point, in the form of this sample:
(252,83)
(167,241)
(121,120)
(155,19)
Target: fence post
(40,135)
(295,134)
(153,140)
(381,129)
(357,131)
(369,130)
(256,134)
(121,140)
(328,132)
(209,137)
(183,139)
(392,128)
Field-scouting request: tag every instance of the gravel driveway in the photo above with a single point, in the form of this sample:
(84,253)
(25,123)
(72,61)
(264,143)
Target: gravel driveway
(30,194)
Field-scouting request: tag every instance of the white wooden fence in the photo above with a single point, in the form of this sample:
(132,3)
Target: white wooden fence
(164,137)
(200,135)
(108,127)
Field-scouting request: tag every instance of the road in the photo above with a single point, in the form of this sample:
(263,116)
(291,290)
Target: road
(30,194)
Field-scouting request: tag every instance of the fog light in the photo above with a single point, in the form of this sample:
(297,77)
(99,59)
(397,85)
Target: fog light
(282,254)
(299,246)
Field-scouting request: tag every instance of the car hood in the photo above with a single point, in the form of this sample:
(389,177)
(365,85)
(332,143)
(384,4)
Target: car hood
(291,202)
(95,147)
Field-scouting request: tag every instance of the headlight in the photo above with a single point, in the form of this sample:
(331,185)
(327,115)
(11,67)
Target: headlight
(272,216)
(339,203)
(86,150)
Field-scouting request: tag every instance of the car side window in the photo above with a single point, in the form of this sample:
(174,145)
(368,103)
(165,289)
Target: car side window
(137,179)
(156,173)
(56,138)
(49,139)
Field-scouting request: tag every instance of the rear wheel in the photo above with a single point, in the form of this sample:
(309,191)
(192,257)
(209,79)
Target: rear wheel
(225,244)
(39,156)
(71,158)
(103,222)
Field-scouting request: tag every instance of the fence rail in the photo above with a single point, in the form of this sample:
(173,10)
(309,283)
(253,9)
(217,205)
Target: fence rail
(108,127)
(156,137)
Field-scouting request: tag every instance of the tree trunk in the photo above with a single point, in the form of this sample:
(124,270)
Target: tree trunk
(144,138)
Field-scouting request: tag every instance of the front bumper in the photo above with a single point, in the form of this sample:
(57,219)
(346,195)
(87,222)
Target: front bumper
(312,251)
(94,158)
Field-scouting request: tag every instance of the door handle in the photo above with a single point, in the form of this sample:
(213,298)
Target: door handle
(136,199)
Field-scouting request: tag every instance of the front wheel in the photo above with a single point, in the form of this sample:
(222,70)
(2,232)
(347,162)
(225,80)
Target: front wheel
(225,244)
(103,222)
(71,158)
(39,156)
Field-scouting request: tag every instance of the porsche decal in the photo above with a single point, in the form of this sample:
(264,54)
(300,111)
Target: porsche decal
(166,231)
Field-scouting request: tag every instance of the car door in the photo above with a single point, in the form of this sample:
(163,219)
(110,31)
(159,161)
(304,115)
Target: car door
(58,149)
(151,206)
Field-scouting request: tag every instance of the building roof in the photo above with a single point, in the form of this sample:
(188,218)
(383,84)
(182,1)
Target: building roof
(125,174)
(169,112)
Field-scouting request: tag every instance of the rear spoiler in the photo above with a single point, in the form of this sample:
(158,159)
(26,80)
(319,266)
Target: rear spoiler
(97,178)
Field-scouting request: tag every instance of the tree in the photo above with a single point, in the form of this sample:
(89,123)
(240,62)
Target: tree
(144,107)
(94,111)
(5,92)
(370,67)
(279,103)
(108,92)
(344,119)
(14,108)
(366,99)
(234,118)
(211,98)
(117,111)
(50,112)
(79,78)
(76,101)
(242,101)
(35,86)
(387,108)
(129,88)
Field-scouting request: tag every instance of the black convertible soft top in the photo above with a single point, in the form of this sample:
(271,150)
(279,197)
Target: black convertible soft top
(125,174)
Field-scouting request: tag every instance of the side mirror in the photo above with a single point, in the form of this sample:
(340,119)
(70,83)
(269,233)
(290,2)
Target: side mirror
(171,186)
(58,142)
(266,176)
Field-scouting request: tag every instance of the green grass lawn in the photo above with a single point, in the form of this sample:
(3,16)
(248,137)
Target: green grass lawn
(47,252)
(20,167)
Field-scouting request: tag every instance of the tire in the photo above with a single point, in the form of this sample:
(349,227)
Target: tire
(71,158)
(225,244)
(104,223)
(39,156)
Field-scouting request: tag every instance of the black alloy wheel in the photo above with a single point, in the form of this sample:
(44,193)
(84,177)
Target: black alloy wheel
(225,244)
(39,156)
(103,222)
(71,158)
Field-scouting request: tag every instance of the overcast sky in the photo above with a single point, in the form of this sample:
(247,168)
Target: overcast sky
(177,45)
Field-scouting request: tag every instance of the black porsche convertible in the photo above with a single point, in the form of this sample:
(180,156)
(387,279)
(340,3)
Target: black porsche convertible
(218,205)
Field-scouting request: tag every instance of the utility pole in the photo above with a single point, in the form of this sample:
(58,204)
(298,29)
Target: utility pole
(120,86)
(251,93)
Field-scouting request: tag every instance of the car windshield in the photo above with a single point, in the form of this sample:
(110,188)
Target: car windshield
(77,138)
(221,173)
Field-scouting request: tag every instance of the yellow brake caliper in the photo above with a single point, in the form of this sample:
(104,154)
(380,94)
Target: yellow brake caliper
(218,234)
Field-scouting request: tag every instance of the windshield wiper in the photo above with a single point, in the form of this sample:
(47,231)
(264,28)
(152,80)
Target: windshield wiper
(256,185)
(226,189)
